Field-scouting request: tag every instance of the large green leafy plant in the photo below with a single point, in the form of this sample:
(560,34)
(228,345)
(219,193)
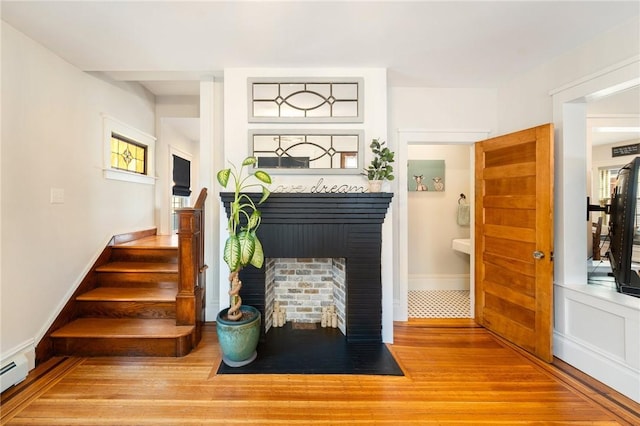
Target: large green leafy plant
(380,167)
(243,247)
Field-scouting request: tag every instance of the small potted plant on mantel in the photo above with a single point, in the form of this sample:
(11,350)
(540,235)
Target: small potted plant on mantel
(380,168)
(238,326)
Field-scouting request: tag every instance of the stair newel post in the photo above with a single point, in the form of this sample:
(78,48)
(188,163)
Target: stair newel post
(191,267)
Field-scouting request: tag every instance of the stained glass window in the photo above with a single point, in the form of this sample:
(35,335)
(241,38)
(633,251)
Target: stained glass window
(128,155)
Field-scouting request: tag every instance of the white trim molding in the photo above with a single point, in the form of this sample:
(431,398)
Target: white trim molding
(112,125)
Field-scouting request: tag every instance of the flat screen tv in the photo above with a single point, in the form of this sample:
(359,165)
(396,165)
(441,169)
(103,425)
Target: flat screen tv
(624,234)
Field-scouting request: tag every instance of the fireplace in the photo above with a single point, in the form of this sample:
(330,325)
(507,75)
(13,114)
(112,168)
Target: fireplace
(347,226)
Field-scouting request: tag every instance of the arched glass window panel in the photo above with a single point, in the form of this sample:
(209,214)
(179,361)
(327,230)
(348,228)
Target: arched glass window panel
(317,100)
(308,151)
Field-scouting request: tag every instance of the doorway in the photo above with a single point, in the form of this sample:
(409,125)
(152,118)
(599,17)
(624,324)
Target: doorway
(408,141)
(178,141)
(438,214)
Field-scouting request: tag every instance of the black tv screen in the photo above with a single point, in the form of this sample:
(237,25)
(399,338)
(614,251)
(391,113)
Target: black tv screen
(624,236)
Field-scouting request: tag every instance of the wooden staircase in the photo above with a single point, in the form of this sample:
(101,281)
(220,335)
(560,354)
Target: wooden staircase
(144,297)
(133,309)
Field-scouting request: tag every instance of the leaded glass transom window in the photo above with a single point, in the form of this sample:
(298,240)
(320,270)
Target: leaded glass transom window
(128,155)
(118,163)
(326,152)
(337,100)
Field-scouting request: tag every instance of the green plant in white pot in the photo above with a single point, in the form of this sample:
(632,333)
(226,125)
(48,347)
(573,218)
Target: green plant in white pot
(380,168)
(239,325)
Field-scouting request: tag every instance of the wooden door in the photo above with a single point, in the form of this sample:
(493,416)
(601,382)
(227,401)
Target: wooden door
(514,238)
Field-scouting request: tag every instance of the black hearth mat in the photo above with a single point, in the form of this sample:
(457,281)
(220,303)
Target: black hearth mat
(322,351)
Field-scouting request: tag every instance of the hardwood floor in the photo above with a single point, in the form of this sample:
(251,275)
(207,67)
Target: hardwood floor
(455,373)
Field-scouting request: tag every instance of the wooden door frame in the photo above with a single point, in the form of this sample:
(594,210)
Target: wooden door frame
(408,137)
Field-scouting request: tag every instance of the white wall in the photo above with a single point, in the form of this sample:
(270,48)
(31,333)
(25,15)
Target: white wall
(432,108)
(52,138)
(594,330)
(433,264)
(526,101)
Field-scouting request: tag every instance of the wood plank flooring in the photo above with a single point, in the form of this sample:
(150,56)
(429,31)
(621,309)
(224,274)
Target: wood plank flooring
(455,373)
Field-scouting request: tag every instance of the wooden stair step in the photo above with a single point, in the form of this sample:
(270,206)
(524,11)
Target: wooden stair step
(138,281)
(123,328)
(137,254)
(153,241)
(156,248)
(124,294)
(124,337)
(140,267)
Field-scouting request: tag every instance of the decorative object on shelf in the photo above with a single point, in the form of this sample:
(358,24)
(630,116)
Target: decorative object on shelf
(428,175)
(380,168)
(306,99)
(239,326)
(308,151)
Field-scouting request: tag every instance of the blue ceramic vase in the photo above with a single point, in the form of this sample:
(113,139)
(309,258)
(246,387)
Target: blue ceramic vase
(238,339)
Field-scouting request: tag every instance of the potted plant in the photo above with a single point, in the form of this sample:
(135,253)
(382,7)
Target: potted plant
(380,168)
(238,326)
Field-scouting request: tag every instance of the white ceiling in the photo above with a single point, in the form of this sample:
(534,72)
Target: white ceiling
(169,45)
(422,43)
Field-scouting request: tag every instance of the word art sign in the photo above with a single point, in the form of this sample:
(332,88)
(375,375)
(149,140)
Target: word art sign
(321,188)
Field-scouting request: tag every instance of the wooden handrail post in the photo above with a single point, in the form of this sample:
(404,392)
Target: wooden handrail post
(191,277)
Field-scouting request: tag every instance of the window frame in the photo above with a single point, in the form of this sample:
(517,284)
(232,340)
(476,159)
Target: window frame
(311,132)
(111,126)
(358,81)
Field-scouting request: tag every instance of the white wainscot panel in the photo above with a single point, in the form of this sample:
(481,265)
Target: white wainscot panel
(605,330)
(596,330)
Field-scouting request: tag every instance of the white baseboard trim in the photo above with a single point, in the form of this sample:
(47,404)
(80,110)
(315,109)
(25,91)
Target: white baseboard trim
(607,370)
(439,282)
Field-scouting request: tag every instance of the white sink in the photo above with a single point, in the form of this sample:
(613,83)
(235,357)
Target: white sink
(462,245)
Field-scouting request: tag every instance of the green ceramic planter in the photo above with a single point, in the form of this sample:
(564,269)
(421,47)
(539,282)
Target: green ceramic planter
(238,339)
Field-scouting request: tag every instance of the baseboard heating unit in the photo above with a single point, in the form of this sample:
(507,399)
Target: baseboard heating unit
(13,372)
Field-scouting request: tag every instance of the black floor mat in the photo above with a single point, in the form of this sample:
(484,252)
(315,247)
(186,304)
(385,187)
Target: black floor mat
(321,351)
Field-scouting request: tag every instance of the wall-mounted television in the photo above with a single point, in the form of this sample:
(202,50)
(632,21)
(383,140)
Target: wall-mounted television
(624,231)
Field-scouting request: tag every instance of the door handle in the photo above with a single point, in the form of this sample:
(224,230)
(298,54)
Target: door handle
(538,255)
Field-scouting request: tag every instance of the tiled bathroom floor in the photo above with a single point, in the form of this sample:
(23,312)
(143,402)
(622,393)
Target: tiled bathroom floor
(439,304)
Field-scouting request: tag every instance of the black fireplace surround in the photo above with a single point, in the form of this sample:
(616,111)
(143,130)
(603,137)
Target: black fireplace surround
(306,225)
